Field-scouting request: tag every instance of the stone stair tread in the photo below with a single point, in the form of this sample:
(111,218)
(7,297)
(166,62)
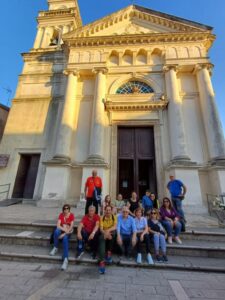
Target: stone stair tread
(18,234)
(175,262)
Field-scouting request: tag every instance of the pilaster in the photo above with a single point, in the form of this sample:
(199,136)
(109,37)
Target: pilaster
(212,124)
(96,151)
(176,125)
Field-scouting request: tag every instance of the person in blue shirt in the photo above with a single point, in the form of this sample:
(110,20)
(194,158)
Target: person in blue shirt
(146,202)
(126,232)
(177,191)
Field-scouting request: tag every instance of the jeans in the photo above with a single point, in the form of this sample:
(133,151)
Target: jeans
(177,203)
(90,202)
(65,241)
(159,242)
(92,243)
(105,245)
(169,229)
(146,241)
(126,244)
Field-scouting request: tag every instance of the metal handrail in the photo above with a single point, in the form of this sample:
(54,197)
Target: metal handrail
(7,190)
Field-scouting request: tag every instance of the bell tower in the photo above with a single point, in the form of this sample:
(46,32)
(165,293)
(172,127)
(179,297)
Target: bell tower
(62,17)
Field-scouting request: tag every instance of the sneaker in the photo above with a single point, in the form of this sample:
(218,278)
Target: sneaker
(158,258)
(54,251)
(178,240)
(109,257)
(165,258)
(139,258)
(149,259)
(101,267)
(65,264)
(170,240)
(79,254)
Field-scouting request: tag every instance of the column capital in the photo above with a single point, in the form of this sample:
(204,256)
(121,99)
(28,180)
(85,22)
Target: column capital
(100,70)
(74,72)
(199,67)
(174,67)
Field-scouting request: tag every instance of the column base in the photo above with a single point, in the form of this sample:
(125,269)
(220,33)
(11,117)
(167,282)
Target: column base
(182,161)
(60,159)
(95,160)
(57,183)
(217,161)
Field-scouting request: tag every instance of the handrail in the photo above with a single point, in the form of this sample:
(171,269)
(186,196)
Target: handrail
(7,190)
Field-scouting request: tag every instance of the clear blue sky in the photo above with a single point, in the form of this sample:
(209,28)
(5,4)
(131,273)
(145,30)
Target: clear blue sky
(18,29)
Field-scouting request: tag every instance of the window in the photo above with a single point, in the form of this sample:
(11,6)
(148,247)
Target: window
(134,87)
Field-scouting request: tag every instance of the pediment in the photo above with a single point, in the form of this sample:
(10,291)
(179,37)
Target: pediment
(136,20)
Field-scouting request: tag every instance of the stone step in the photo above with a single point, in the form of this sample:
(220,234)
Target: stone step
(41,254)
(202,234)
(197,248)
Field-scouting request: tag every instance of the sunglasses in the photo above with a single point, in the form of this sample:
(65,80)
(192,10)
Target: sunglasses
(66,208)
(153,213)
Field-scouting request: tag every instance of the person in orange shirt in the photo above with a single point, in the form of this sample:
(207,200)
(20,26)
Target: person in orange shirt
(92,191)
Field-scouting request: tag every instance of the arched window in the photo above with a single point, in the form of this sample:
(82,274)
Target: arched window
(134,87)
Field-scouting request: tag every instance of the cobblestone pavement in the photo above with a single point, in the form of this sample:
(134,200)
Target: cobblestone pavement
(20,281)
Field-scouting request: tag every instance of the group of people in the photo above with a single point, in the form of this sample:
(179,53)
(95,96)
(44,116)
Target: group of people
(124,226)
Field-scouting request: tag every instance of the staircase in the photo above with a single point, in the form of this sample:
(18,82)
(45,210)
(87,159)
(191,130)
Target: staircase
(202,250)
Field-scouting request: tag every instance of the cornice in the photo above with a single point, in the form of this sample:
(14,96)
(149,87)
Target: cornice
(133,12)
(205,37)
(137,102)
(60,14)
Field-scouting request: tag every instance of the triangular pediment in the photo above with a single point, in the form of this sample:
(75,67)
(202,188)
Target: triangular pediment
(137,20)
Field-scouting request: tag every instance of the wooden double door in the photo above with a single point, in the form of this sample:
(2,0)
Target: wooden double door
(136,161)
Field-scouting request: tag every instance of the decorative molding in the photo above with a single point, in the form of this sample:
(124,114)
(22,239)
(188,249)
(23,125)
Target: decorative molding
(135,102)
(133,12)
(102,70)
(201,66)
(174,67)
(75,72)
(153,38)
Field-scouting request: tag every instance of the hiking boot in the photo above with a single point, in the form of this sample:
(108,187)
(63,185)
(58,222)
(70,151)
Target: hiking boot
(149,259)
(65,264)
(178,240)
(139,258)
(101,267)
(54,251)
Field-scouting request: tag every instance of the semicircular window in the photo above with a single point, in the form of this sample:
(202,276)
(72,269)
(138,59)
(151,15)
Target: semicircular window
(134,87)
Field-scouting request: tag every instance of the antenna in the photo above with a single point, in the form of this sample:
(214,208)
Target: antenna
(9,92)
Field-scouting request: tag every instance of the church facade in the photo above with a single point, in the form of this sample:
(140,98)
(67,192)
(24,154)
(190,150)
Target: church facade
(129,95)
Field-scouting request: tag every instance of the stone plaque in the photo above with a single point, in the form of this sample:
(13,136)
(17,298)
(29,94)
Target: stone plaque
(4,158)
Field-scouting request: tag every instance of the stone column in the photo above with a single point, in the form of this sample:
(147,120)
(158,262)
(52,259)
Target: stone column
(96,151)
(175,115)
(65,133)
(213,127)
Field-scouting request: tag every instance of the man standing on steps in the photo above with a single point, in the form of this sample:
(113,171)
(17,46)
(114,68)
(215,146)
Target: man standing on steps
(177,191)
(92,191)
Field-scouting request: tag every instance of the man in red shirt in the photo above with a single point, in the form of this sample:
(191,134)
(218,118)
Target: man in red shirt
(92,191)
(88,232)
